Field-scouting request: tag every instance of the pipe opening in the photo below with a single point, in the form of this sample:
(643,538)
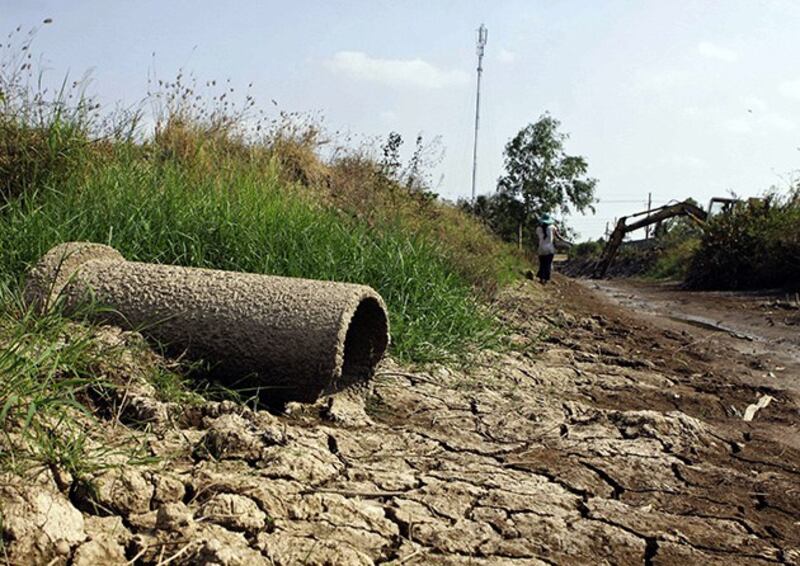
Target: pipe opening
(366,340)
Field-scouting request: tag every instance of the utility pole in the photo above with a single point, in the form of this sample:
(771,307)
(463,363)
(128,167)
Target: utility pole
(483,34)
(649,206)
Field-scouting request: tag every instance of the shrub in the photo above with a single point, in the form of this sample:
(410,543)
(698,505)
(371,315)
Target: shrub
(44,136)
(673,261)
(751,246)
(590,249)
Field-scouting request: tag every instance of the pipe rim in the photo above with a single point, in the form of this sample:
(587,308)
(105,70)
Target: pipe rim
(362,340)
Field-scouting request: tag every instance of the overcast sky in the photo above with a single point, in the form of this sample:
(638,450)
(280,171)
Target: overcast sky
(678,98)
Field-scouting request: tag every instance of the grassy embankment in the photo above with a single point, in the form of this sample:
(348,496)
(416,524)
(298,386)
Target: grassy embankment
(210,189)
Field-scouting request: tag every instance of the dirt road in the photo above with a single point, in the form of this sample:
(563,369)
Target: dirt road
(601,437)
(764,325)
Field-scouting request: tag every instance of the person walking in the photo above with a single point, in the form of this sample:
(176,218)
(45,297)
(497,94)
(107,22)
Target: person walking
(547,234)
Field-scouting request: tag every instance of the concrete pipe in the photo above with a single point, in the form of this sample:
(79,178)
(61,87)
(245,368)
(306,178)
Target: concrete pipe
(295,339)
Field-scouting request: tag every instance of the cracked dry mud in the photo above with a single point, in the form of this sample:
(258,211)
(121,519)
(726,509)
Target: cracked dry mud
(598,440)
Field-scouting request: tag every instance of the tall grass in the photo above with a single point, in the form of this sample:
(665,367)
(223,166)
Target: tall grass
(222,185)
(208,188)
(673,260)
(245,219)
(56,374)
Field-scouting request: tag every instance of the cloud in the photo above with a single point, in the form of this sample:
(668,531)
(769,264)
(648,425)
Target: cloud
(712,51)
(790,89)
(388,116)
(506,56)
(684,162)
(395,72)
(778,122)
(660,80)
(738,126)
(759,122)
(754,103)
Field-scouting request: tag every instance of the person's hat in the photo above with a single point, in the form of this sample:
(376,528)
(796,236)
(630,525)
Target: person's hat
(546,219)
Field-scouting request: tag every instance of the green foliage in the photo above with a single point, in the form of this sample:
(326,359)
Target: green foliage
(672,261)
(44,136)
(243,219)
(541,175)
(414,177)
(751,246)
(45,369)
(501,213)
(677,240)
(204,192)
(359,185)
(539,178)
(212,188)
(590,249)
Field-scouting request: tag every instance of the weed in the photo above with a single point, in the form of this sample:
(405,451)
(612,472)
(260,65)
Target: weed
(52,373)
(752,246)
(674,259)
(44,370)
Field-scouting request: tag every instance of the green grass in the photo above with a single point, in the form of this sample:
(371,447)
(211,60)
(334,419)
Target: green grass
(59,377)
(203,192)
(245,219)
(46,370)
(211,188)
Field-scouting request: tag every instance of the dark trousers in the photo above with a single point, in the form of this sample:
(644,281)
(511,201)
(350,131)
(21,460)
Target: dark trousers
(545,267)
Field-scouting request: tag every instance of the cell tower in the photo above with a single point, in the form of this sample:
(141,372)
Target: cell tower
(483,34)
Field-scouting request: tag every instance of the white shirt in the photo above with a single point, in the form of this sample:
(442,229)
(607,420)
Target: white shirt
(546,239)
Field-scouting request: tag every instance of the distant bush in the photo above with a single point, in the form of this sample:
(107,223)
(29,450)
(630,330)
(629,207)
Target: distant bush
(585,250)
(752,246)
(673,260)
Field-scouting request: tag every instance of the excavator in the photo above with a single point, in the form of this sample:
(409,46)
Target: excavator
(687,208)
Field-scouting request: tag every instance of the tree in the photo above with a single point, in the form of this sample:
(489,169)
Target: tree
(498,211)
(415,176)
(390,161)
(541,177)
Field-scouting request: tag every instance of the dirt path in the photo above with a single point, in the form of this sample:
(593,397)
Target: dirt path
(600,438)
(764,325)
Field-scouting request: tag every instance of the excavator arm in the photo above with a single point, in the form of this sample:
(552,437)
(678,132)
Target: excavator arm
(653,217)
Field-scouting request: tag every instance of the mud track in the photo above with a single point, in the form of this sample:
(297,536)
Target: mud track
(765,324)
(601,438)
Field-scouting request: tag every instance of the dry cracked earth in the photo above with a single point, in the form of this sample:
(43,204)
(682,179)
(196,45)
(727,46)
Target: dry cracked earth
(596,440)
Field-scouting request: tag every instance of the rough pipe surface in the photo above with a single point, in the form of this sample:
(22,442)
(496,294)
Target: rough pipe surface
(293,339)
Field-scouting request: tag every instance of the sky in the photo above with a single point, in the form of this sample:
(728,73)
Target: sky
(676,98)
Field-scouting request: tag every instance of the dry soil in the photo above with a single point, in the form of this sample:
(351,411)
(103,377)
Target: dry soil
(604,436)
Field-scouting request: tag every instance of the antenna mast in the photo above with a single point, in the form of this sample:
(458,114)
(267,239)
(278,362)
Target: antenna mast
(483,34)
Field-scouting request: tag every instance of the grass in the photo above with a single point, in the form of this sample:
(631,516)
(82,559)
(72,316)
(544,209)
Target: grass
(245,219)
(672,263)
(220,185)
(213,186)
(47,368)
